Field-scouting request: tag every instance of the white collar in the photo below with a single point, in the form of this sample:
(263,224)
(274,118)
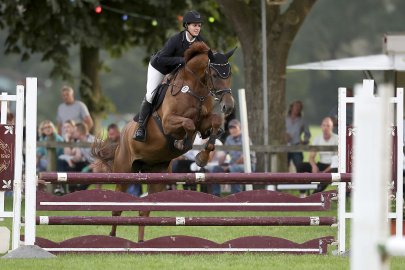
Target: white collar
(192,40)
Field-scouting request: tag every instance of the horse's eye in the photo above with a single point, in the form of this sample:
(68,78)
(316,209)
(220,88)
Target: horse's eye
(215,75)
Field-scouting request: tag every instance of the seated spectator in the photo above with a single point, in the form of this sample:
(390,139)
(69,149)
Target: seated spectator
(325,158)
(80,158)
(214,158)
(68,134)
(47,133)
(10,118)
(236,163)
(69,152)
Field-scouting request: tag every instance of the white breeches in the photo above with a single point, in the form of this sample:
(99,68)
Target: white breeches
(153,80)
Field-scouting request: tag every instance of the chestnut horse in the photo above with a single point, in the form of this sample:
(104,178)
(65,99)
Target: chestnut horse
(197,98)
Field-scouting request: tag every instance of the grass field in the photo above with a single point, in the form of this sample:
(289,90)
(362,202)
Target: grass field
(191,262)
(217,234)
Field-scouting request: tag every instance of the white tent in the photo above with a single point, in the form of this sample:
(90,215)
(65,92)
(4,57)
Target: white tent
(370,62)
(392,59)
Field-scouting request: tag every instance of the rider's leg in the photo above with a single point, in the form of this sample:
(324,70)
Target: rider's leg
(154,79)
(140,133)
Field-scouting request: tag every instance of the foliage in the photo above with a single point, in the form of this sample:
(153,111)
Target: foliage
(52,27)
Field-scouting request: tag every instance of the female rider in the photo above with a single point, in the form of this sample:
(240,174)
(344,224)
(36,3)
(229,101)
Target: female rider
(164,62)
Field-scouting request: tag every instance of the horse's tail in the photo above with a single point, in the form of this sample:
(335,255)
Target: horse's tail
(103,152)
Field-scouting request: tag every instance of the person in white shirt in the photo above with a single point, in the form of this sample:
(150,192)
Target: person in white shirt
(324,165)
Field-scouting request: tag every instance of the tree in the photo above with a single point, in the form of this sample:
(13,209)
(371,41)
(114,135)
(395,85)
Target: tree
(283,24)
(52,27)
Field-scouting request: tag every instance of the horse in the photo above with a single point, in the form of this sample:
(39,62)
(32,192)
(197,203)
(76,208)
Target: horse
(197,98)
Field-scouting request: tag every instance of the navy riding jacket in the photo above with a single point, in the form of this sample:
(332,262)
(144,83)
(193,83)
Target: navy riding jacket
(172,54)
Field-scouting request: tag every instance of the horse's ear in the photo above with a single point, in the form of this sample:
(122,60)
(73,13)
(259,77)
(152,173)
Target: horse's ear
(211,56)
(230,53)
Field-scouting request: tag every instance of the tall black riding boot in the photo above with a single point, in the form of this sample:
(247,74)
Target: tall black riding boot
(140,133)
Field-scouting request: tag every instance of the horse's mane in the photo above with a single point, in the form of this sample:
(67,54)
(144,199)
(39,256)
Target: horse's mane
(195,49)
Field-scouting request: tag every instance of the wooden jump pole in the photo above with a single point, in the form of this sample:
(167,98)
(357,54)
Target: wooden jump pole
(190,178)
(187,221)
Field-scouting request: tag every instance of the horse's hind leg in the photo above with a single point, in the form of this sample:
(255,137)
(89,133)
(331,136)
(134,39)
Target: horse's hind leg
(151,189)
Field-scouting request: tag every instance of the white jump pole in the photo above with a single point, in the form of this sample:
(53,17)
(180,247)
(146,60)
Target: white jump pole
(245,134)
(372,170)
(30,164)
(18,165)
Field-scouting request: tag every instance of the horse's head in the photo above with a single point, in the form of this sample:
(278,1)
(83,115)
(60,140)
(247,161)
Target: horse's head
(219,71)
(213,73)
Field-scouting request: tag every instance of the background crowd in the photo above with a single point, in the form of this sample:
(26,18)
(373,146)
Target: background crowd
(74,124)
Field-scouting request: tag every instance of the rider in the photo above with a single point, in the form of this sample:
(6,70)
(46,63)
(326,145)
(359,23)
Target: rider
(164,62)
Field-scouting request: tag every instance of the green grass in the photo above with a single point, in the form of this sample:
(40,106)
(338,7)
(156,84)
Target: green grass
(189,262)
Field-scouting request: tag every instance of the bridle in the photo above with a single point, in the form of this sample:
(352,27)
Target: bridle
(218,93)
(212,91)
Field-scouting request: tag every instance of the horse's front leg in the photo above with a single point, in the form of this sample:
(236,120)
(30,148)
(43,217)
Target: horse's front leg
(203,156)
(182,129)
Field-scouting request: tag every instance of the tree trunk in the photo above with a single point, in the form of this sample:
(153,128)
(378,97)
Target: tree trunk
(90,88)
(281,30)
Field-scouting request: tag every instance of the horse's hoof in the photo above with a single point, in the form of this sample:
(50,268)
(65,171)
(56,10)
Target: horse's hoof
(200,160)
(112,234)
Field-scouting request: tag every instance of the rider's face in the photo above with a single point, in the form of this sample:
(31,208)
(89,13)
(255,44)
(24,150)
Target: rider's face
(194,28)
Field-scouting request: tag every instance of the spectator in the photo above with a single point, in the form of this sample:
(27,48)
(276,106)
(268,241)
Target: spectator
(236,157)
(113,133)
(47,133)
(296,127)
(228,118)
(325,158)
(81,158)
(333,114)
(10,118)
(68,136)
(214,158)
(182,165)
(70,153)
(72,109)
(81,134)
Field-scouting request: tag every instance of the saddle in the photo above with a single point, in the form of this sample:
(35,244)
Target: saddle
(157,101)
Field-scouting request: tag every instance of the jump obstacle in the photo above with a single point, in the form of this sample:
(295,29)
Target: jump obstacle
(371,246)
(246,201)
(255,200)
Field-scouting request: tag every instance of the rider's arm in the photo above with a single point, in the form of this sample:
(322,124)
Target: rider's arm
(166,55)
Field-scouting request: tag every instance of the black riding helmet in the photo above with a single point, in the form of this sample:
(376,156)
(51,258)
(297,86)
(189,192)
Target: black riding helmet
(192,17)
